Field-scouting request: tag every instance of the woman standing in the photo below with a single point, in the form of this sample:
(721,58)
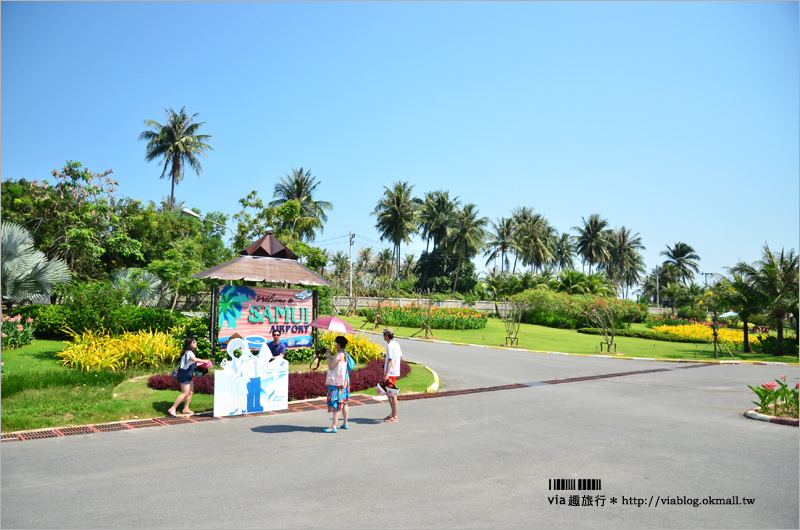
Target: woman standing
(338,382)
(185,372)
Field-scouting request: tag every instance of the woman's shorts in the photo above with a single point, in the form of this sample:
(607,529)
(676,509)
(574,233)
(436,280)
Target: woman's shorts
(184,376)
(337,396)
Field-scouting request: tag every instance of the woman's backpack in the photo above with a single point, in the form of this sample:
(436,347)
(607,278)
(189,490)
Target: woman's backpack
(351,363)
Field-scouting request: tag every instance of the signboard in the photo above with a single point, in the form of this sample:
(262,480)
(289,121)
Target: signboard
(252,313)
(250,383)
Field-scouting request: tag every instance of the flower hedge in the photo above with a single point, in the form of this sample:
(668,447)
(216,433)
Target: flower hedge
(415,316)
(102,351)
(302,385)
(704,332)
(560,310)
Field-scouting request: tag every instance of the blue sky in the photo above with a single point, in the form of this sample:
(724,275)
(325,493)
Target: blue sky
(676,119)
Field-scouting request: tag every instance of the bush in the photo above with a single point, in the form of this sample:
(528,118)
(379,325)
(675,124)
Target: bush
(415,316)
(17,331)
(101,351)
(560,310)
(769,344)
(687,313)
(302,385)
(643,334)
(51,320)
(358,346)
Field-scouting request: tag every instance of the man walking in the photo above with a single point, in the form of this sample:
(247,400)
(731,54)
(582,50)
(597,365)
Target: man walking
(391,370)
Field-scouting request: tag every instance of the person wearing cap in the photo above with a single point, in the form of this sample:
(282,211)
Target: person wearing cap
(391,369)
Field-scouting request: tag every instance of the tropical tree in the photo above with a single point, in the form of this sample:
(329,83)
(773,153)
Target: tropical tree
(364,258)
(501,241)
(300,187)
(593,240)
(571,282)
(564,249)
(625,262)
(775,276)
(744,298)
(26,271)
(384,263)
(467,236)
(683,257)
(141,287)
(436,212)
(520,218)
(398,215)
(341,264)
(178,143)
(408,265)
(536,241)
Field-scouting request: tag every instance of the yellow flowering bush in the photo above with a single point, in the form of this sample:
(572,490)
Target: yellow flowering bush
(98,350)
(360,347)
(701,331)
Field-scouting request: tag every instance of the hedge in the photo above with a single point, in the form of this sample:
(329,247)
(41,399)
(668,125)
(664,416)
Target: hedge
(559,310)
(642,334)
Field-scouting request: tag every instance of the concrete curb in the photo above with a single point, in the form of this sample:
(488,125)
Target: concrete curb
(436,382)
(753,415)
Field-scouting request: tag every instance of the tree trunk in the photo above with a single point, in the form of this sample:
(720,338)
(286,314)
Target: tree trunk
(746,335)
(779,348)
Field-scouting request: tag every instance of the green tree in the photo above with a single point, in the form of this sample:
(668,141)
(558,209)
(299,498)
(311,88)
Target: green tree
(684,258)
(775,276)
(300,186)
(178,143)
(625,263)
(467,235)
(501,242)
(398,216)
(744,298)
(536,241)
(436,212)
(564,249)
(593,240)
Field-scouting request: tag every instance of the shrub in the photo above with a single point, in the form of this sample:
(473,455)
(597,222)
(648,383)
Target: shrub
(202,385)
(560,310)
(17,331)
(358,346)
(51,320)
(415,316)
(92,305)
(299,355)
(102,351)
(643,334)
(769,344)
(668,320)
(688,313)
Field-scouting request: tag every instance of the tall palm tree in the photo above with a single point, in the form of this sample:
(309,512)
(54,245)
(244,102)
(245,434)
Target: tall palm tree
(300,187)
(398,216)
(520,218)
(436,212)
(564,249)
(364,258)
(684,258)
(744,298)
(341,263)
(536,238)
(775,276)
(467,235)
(625,262)
(408,265)
(384,263)
(593,240)
(501,241)
(178,143)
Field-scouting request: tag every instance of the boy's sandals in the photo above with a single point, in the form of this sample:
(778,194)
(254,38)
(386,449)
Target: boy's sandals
(390,420)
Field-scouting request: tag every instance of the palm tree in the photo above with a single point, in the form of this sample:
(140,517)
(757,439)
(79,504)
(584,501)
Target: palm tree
(563,251)
(436,211)
(744,298)
(364,258)
(497,285)
(536,239)
(571,282)
(408,265)
(625,262)
(775,276)
(684,258)
(467,236)
(300,186)
(398,215)
(178,143)
(26,271)
(384,263)
(144,289)
(501,241)
(520,218)
(593,240)
(341,264)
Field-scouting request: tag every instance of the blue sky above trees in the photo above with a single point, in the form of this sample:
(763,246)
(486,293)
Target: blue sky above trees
(677,120)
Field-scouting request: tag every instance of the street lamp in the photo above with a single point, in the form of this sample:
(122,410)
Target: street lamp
(189,213)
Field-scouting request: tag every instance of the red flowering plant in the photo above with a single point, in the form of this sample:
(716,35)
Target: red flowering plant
(17,331)
(777,398)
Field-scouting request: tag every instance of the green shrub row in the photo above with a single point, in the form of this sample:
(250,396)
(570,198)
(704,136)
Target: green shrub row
(768,344)
(642,334)
(560,310)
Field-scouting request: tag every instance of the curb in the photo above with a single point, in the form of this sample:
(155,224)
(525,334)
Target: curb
(753,415)
(436,382)
(718,361)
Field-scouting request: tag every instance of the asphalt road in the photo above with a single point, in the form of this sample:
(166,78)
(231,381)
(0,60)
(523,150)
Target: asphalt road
(477,460)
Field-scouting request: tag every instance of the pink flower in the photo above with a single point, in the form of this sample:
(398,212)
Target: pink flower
(30,320)
(19,327)
(771,386)
(4,335)
(783,377)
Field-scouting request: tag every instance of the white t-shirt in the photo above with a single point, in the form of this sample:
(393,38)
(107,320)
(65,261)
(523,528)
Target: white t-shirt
(186,364)
(393,352)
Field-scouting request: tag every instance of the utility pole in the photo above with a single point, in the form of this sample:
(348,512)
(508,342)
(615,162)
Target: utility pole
(705,277)
(352,236)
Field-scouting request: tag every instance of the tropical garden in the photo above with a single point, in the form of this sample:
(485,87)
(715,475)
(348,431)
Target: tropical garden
(96,286)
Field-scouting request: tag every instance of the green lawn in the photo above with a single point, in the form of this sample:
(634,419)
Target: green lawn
(542,338)
(37,392)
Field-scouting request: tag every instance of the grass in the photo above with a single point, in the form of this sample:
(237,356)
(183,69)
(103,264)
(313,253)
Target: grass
(37,392)
(540,338)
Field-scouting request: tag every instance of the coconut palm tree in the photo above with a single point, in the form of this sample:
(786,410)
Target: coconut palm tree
(564,249)
(744,298)
(300,187)
(520,218)
(178,143)
(436,212)
(536,239)
(398,215)
(384,263)
(571,282)
(467,235)
(593,240)
(775,276)
(625,262)
(408,265)
(26,271)
(684,258)
(341,264)
(364,258)
(501,241)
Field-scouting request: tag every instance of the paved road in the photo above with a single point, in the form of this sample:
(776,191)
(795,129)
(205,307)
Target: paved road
(481,460)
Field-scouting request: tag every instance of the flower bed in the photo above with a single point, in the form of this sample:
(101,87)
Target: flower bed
(305,385)
(704,332)
(642,334)
(415,316)
(17,331)
(777,399)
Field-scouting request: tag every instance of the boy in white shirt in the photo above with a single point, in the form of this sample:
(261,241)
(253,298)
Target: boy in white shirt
(391,369)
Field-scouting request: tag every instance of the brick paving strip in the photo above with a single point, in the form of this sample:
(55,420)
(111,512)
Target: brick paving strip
(300,406)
